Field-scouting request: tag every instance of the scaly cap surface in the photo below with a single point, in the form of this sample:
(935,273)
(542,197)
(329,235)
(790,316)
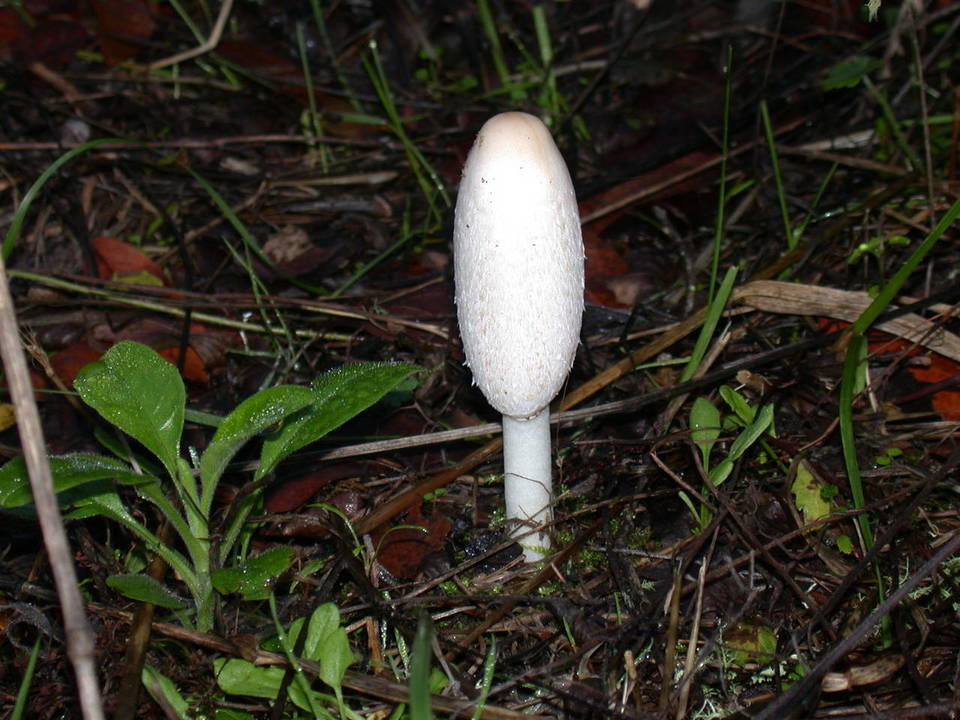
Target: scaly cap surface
(518,264)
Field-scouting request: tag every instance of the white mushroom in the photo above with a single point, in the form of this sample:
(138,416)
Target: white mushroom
(518,265)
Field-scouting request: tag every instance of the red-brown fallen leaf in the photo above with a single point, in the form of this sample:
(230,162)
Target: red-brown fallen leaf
(11,28)
(292,493)
(193,369)
(67,363)
(53,42)
(937,369)
(622,196)
(602,263)
(123,26)
(117,259)
(402,550)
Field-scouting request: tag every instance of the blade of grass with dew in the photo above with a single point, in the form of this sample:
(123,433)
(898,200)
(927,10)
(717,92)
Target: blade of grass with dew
(489,665)
(850,383)
(24,691)
(430,183)
(550,100)
(342,78)
(420,708)
(777,177)
(517,94)
(13,232)
(258,290)
(709,325)
(314,122)
(722,198)
(856,350)
(802,228)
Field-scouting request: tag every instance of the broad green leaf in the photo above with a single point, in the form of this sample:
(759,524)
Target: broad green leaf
(807,490)
(236,676)
(134,388)
(721,472)
(231,714)
(251,417)
(738,447)
(241,677)
(339,395)
(752,432)
(145,589)
(850,72)
(335,657)
(254,579)
(738,403)
(751,644)
(704,427)
(323,622)
(68,471)
(163,690)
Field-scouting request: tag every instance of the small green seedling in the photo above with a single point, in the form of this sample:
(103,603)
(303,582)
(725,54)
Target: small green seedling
(326,644)
(706,423)
(142,394)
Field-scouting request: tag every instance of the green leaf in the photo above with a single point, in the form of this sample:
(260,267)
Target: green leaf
(68,472)
(850,72)
(335,657)
(251,417)
(339,395)
(254,579)
(328,644)
(104,500)
(714,313)
(241,677)
(164,692)
(420,661)
(323,622)
(845,544)
(230,714)
(738,403)
(738,447)
(134,388)
(807,489)
(236,676)
(751,644)
(751,433)
(704,427)
(145,589)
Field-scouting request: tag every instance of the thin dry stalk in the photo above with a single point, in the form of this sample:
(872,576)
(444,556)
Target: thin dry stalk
(80,642)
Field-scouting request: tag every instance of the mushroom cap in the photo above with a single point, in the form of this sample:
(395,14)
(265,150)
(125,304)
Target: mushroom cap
(518,264)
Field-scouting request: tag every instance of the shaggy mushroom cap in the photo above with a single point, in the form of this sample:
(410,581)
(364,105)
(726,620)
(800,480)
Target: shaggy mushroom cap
(518,262)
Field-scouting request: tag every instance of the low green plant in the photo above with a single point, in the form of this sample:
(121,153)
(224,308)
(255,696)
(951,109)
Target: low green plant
(706,422)
(326,644)
(141,394)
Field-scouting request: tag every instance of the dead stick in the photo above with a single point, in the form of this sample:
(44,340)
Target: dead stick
(780,707)
(80,641)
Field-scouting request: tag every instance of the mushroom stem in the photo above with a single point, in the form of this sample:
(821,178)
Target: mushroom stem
(527,479)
